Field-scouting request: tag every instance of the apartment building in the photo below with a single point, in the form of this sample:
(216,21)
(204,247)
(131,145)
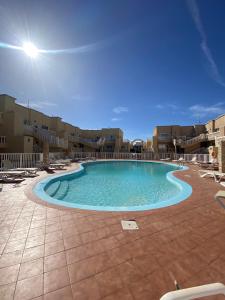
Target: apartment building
(189,139)
(25,130)
(166,138)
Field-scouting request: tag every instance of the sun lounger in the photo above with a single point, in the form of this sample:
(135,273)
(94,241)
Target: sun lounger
(209,166)
(193,161)
(165,159)
(6,179)
(220,196)
(58,166)
(13,173)
(66,162)
(75,160)
(218,176)
(29,170)
(197,292)
(179,161)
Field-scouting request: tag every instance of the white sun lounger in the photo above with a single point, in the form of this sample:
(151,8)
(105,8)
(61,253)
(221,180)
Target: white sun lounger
(193,161)
(58,166)
(13,173)
(218,176)
(179,161)
(29,170)
(196,292)
(220,196)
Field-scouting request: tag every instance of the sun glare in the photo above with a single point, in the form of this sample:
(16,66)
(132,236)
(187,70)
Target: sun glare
(30,49)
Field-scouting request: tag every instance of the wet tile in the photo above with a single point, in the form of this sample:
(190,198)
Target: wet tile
(56,279)
(29,288)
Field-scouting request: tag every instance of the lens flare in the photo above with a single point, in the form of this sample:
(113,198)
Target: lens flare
(30,49)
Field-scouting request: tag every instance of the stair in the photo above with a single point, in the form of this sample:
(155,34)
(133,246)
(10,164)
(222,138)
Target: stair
(62,190)
(53,188)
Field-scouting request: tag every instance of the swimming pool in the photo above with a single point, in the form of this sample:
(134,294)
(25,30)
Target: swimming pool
(116,186)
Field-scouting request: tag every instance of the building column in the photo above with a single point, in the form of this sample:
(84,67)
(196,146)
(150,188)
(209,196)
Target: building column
(45,152)
(221,156)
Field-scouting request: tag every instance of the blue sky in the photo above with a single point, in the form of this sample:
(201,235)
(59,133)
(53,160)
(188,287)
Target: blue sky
(128,64)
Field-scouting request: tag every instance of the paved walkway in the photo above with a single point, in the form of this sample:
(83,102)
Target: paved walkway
(54,253)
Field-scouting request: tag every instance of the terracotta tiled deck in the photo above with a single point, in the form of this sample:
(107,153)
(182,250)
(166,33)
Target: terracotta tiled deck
(55,253)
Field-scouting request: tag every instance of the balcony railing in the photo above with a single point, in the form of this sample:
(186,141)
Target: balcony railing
(3,142)
(200,138)
(46,136)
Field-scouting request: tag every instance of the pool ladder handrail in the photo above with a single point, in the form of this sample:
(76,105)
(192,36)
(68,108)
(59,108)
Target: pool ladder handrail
(196,292)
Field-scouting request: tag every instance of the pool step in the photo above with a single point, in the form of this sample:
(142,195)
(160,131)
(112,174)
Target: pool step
(62,191)
(53,188)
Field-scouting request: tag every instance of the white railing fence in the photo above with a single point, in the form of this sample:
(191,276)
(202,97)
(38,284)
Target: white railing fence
(21,160)
(29,160)
(141,156)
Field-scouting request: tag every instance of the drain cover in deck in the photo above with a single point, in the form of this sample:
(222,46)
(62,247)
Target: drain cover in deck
(129,225)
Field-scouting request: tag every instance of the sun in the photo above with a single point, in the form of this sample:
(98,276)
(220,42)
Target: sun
(30,49)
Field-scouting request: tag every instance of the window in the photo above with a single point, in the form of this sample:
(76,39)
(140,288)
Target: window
(26,122)
(164,136)
(162,147)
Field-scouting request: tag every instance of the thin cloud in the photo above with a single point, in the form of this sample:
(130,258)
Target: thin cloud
(79,97)
(116,119)
(159,106)
(173,106)
(31,105)
(215,74)
(201,111)
(166,106)
(120,109)
(47,103)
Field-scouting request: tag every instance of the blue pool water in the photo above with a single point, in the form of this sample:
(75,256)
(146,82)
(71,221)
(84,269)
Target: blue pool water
(116,186)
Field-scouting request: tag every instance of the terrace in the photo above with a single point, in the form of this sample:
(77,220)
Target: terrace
(49,252)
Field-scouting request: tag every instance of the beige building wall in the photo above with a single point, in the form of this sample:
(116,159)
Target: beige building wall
(163,136)
(17,123)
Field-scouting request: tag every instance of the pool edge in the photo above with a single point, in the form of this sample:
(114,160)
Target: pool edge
(39,192)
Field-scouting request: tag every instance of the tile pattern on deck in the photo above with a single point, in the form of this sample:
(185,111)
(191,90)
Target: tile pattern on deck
(55,253)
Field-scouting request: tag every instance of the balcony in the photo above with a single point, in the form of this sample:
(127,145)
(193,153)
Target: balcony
(204,137)
(73,139)
(45,135)
(1,118)
(3,143)
(94,143)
